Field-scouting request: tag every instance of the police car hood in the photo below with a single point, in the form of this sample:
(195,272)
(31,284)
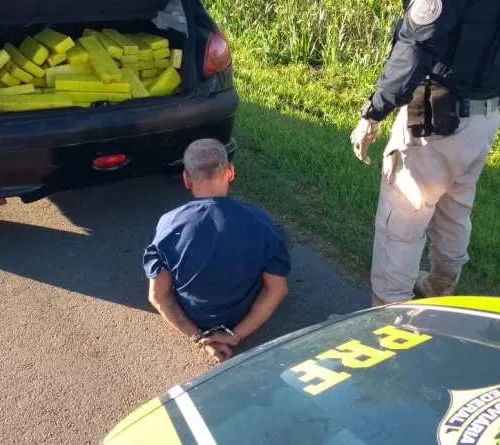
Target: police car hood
(412,374)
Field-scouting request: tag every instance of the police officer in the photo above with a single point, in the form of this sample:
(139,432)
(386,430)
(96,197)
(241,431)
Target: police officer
(444,75)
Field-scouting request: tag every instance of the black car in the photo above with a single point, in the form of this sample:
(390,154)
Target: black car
(43,152)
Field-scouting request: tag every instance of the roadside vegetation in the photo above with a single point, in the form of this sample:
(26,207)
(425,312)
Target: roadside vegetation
(303,69)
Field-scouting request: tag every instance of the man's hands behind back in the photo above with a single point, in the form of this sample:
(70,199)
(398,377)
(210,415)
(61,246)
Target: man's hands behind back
(219,351)
(219,345)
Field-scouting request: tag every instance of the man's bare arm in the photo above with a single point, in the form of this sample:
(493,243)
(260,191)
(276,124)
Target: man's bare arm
(273,292)
(165,302)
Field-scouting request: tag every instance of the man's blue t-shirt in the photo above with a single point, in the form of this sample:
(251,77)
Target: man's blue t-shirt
(216,250)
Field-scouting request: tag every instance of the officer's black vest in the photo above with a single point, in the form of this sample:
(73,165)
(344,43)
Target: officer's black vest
(471,65)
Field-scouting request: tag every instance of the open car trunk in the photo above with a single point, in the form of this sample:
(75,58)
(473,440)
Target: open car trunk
(166,18)
(45,151)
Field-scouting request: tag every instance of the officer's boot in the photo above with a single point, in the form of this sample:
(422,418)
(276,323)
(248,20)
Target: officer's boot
(437,283)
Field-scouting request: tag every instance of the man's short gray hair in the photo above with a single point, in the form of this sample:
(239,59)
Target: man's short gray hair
(205,158)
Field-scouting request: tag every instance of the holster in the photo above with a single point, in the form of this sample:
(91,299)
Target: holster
(419,112)
(444,106)
(433,110)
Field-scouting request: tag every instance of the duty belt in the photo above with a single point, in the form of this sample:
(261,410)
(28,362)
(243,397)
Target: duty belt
(482,107)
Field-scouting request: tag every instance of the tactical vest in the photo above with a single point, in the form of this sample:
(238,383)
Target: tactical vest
(471,65)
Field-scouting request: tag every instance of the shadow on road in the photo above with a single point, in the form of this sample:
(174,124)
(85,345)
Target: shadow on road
(119,221)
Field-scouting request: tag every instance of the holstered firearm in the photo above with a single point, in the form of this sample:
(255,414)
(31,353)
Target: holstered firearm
(433,110)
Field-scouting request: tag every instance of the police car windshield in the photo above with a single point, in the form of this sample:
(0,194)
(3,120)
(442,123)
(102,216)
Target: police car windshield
(384,377)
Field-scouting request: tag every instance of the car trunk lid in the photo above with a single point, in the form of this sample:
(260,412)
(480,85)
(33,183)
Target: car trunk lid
(24,12)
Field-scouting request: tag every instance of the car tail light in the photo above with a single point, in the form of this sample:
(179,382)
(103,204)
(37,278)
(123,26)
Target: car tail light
(110,162)
(217,55)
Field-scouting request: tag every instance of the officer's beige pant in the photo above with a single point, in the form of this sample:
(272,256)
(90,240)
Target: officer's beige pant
(432,190)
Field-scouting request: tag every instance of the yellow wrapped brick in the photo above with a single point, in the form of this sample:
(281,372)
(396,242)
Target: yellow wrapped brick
(102,63)
(20,74)
(77,55)
(8,79)
(146,55)
(4,58)
(148,83)
(176,58)
(145,52)
(57,42)
(134,68)
(96,96)
(154,42)
(162,63)
(161,53)
(130,48)
(147,65)
(51,73)
(34,51)
(113,49)
(56,59)
(129,59)
(166,83)
(148,74)
(83,104)
(137,87)
(89,32)
(22,62)
(39,83)
(130,65)
(89,82)
(17,90)
(35,102)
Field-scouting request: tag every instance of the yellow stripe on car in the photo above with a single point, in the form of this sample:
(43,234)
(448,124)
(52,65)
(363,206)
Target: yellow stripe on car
(483,304)
(149,424)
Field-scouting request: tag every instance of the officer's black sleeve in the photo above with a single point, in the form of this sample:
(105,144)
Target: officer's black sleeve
(419,45)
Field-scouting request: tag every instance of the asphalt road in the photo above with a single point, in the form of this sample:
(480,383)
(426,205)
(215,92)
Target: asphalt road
(79,346)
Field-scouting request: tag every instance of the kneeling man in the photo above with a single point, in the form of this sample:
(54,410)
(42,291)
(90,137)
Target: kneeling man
(217,267)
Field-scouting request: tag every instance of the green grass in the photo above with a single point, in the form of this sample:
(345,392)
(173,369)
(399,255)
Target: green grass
(302,74)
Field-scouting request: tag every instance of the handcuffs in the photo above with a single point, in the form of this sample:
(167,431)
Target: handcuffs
(212,331)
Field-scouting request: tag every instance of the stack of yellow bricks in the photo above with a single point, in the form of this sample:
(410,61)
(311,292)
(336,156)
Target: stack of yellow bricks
(50,70)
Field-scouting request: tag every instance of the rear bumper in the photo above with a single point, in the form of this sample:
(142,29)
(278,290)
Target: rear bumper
(43,155)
